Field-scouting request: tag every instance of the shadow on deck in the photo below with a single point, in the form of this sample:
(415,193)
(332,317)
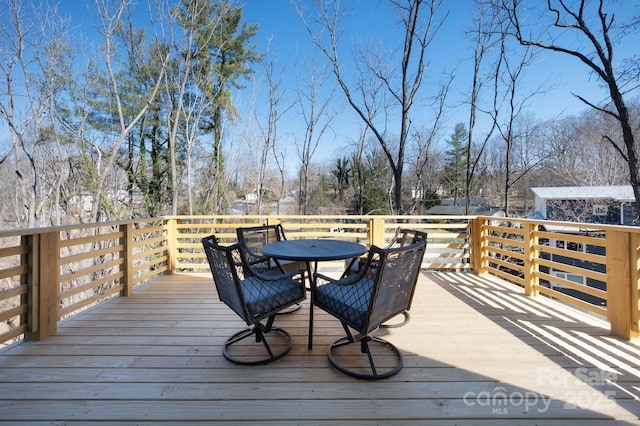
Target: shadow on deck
(476,352)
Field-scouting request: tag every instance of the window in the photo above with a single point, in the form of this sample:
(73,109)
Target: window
(569,245)
(575,247)
(579,279)
(600,210)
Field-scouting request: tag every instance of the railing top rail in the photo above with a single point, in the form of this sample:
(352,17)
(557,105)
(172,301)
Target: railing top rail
(582,226)
(47,229)
(323,216)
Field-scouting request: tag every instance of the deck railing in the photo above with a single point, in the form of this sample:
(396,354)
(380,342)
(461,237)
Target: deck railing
(49,274)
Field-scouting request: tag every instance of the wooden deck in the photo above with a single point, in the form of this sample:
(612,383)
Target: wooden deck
(476,352)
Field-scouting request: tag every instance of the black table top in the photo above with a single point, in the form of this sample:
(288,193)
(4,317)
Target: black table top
(313,250)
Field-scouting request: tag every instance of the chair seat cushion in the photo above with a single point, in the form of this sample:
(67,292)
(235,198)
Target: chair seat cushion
(349,303)
(264,297)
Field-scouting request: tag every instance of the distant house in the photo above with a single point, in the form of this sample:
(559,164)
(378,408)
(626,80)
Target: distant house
(251,198)
(456,207)
(613,205)
(591,204)
(241,206)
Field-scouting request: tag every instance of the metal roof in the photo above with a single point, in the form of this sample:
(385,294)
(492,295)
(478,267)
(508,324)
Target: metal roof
(457,210)
(619,193)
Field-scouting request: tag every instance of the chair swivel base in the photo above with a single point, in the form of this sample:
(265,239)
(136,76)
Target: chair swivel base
(260,352)
(335,351)
(291,309)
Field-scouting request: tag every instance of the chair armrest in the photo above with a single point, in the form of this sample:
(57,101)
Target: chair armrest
(269,277)
(342,281)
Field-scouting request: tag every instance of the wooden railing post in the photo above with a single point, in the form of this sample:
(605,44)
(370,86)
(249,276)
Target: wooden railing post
(45,285)
(531,254)
(127,265)
(478,243)
(376,232)
(32,298)
(620,251)
(635,283)
(171,227)
(273,220)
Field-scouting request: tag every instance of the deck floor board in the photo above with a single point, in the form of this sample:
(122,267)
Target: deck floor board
(476,351)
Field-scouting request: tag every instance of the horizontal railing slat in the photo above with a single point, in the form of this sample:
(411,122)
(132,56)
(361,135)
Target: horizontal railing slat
(13,312)
(573,301)
(90,239)
(14,271)
(96,268)
(13,292)
(589,273)
(89,301)
(586,257)
(91,285)
(572,285)
(13,251)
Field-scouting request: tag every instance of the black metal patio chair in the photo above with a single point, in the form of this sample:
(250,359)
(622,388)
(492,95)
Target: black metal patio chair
(383,289)
(254,297)
(252,239)
(402,237)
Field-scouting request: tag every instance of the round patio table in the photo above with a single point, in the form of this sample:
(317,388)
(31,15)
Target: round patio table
(311,252)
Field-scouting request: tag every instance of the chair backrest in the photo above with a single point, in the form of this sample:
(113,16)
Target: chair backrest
(406,236)
(395,277)
(401,238)
(223,262)
(253,238)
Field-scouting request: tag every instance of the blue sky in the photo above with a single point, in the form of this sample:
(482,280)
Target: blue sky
(451,51)
(373,20)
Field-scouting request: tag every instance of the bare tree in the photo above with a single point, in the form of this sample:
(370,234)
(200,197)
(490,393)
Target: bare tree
(35,64)
(497,92)
(515,131)
(193,113)
(601,164)
(596,32)
(315,100)
(110,24)
(484,34)
(357,170)
(269,133)
(425,164)
(577,154)
(424,170)
(183,76)
(401,81)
